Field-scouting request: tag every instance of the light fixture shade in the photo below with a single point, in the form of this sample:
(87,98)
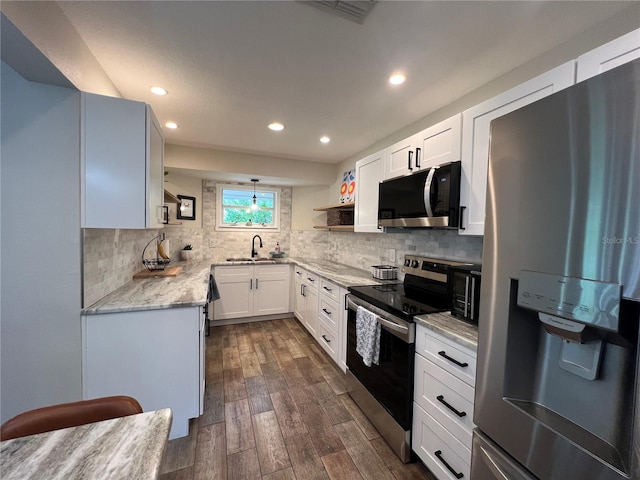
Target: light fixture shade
(254,204)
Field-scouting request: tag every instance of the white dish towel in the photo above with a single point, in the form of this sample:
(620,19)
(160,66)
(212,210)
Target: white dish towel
(367,336)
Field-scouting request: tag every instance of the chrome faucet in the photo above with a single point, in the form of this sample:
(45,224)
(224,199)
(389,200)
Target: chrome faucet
(254,252)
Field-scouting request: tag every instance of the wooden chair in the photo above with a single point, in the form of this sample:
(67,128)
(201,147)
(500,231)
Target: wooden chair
(66,415)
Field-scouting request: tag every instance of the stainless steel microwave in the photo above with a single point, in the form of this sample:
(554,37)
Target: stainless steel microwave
(429,198)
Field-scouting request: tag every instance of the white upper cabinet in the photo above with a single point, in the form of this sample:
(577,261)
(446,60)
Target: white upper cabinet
(369,174)
(608,56)
(122,158)
(476,133)
(435,145)
(439,143)
(400,158)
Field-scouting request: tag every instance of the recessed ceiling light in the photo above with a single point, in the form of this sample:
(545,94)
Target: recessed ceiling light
(276,126)
(158,91)
(397,79)
(171,125)
(325,139)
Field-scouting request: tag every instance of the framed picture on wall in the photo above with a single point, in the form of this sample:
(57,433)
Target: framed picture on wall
(187,208)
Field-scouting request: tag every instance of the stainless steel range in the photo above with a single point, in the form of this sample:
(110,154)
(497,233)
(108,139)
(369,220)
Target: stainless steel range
(384,391)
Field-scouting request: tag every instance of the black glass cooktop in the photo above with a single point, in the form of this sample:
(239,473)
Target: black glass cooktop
(402,300)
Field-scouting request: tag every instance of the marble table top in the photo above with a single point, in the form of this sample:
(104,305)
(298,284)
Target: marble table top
(123,448)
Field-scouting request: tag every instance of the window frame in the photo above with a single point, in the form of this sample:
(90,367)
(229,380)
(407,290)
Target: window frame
(220,226)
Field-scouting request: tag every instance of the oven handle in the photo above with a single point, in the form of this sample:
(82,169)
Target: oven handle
(387,323)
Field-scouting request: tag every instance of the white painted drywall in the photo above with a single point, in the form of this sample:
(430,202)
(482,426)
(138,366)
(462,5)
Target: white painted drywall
(40,256)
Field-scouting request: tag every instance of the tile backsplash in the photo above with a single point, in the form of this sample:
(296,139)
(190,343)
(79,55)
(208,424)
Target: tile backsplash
(113,256)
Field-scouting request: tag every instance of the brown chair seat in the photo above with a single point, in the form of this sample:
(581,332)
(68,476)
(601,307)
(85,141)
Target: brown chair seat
(66,415)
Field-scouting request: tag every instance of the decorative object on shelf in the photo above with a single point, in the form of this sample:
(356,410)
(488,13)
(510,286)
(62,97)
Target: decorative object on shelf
(348,187)
(187,208)
(254,203)
(345,207)
(161,259)
(187,253)
(384,272)
(339,217)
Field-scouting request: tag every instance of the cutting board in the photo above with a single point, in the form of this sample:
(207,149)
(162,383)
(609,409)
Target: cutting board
(167,272)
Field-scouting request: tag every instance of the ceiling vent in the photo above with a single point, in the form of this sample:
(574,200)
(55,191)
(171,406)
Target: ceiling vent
(354,10)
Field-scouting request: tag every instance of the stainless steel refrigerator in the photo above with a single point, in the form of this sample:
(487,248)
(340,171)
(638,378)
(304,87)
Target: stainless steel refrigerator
(557,387)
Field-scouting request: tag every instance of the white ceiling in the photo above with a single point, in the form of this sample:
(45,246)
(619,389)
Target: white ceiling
(232,67)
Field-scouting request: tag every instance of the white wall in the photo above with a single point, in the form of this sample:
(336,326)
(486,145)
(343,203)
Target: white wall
(304,200)
(40,256)
(189,186)
(258,166)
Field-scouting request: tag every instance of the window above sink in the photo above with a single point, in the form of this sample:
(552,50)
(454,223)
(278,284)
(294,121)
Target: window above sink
(234,208)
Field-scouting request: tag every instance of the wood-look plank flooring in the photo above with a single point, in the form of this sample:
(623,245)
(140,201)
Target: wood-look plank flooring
(276,408)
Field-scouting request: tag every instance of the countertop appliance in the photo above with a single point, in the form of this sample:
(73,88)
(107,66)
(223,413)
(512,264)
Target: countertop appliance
(384,391)
(557,392)
(428,198)
(464,281)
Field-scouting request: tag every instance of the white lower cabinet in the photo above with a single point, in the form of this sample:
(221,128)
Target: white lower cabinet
(155,356)
(251,290)
(320,307)
(306,305)
(443,404)
(329,319)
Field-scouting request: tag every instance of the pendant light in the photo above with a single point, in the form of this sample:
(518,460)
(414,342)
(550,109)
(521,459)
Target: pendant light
(254,205)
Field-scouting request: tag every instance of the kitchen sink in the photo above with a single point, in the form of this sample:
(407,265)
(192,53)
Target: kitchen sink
(247,259)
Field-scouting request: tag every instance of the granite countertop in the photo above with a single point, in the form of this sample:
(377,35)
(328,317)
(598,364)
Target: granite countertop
(127,447)
(451,327)
(187,289)
(338,273)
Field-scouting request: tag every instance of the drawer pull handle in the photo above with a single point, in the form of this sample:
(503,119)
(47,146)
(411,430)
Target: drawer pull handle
(452,360)
(441,399)
(326,311)
(438,453)
(328,289)
(310,279)
(326,339)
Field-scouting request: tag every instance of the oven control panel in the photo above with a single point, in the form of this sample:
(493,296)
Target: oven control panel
(432,268)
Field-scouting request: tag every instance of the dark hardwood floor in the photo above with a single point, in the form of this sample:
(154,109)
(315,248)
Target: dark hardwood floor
(276,409)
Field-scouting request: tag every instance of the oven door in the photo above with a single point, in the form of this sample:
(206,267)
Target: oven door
(391,381)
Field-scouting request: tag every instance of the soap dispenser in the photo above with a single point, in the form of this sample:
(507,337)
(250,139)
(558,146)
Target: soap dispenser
(278,247)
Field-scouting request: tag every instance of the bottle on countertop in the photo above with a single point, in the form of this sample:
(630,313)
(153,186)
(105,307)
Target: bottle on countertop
(278,247)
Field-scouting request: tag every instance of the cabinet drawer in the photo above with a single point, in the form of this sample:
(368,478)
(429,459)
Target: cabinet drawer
(437,448)
(329,289)
(454,358)
(328,340)
(311,279)
(446,398)
(329,313)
